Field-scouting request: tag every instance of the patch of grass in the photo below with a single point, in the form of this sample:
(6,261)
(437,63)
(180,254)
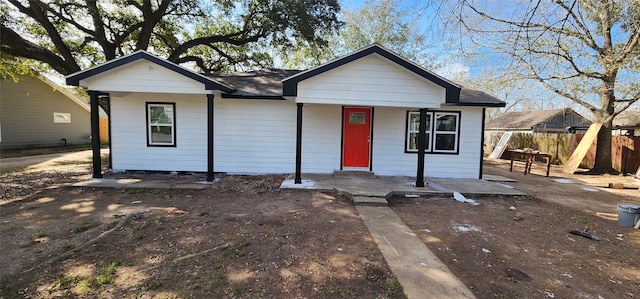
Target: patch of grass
(107,273)
(219,280)
(64,282)
(85,226)
(112,224)
(154,285)
(39,235)
(237,249)
(85,286)
(239,289)
(396,289)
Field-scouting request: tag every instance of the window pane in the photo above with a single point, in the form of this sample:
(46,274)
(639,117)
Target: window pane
(161,115)
(413,141)
(428,122)
(356,118)
(161,134)
(446,122)
(414,122)
(446,142)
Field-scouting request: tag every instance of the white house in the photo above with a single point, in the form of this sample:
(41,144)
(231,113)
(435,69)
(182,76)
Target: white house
(361,112)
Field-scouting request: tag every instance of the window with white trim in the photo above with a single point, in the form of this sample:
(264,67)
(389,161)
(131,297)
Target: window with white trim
(161,129)
(442,132)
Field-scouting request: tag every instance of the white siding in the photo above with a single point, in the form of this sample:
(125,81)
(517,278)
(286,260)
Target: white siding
(251,136)
(371,81)
(389,157)
(258,136)
(129,134)
(143,76)
(321,138)
(254,136)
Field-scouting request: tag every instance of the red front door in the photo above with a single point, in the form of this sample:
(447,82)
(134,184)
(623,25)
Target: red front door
(357,137)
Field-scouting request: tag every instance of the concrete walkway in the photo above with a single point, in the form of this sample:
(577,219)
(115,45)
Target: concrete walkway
(48,160)
(420,272)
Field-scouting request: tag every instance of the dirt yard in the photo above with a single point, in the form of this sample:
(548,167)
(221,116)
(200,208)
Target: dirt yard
(244,238)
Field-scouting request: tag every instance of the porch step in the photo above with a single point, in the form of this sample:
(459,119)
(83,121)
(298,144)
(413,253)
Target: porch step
(369,201)
(354,174)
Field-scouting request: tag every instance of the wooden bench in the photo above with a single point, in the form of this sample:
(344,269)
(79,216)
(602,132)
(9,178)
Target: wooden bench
(529,156)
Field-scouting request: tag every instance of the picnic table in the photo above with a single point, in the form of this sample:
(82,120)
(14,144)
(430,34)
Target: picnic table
(529,156)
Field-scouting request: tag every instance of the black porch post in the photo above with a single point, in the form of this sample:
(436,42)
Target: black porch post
(482,143)
(95,133)
(210,138)
(298,179)
(422,136)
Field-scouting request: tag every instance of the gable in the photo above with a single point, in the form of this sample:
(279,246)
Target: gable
(143,72)
(142,76)
(452,91)
(371,81)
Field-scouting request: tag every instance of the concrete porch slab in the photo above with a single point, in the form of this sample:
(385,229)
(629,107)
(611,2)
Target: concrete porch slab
(386,186)
(473,187)
(137,183)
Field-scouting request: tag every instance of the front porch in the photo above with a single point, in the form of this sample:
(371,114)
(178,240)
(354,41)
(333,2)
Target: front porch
(388,186)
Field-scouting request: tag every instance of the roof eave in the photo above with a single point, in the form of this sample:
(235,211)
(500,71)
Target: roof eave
(488,105)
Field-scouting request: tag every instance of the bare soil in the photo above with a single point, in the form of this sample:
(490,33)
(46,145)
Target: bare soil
(520,247)
(242,237)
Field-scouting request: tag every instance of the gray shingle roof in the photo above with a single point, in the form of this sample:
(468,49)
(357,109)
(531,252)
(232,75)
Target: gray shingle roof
(265,82)
(470,96)
(527,120)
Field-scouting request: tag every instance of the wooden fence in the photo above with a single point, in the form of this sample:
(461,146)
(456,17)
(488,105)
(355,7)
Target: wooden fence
(104,130)
(625,150)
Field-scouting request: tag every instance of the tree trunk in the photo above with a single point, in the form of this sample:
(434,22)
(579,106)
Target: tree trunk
(603,150)
(603,162)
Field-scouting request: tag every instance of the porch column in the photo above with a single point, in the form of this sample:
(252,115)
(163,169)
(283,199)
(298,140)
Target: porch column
(95,133)
(482,143)
(298,178)
(422,138)
(107,99)
(210,130)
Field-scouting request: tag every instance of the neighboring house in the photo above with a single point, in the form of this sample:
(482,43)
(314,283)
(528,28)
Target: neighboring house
(360,112)
(627,123)
(538,121)
(37,112)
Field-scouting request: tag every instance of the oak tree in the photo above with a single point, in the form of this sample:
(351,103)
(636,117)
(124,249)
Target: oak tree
(214,36)
(587,51)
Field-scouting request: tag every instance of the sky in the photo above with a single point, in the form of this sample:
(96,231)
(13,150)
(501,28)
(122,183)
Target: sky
(446,44)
